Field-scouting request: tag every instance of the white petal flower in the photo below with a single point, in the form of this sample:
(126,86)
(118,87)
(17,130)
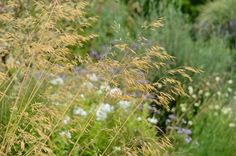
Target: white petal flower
(183,107)
(65,134)
(197,104)
(232,125)
(152,120)
(93,77)
(82,96)
(190,123)
(200,92)
(103,110)
(230,90)
(99,92)
(159,85)
(116,148)
(217,79)
(217,107)
(194,96)
(124,104)
(105,87)
(79,111)
(139,118)
(226,110)
(230,82)
(66,120)
(115,92)
(57,81)
(190,90)
(207,94)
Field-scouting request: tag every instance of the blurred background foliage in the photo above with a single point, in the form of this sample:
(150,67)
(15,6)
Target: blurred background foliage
(180,35)
(199,33)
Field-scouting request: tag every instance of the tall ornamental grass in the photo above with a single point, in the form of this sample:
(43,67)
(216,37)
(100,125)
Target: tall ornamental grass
(56,102)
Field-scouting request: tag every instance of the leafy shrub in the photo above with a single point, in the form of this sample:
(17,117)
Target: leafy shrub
(219,17)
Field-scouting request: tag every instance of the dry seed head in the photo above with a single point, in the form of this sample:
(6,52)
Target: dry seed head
(43,38)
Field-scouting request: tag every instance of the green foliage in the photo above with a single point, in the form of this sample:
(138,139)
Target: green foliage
(213,132)
(219,17)
(56,100)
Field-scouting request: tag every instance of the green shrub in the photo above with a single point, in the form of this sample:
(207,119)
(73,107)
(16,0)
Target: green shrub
(219,17)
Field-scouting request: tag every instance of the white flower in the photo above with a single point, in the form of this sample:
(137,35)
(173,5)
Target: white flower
(82,96)
(93,77)
(66,120)
(79,111)
(152,120)
(99,92)
(124,104)
(217,79)
(197,104)
(217,107)
(226,110)
(18,62)
(190,123)
(159,85)
(139,118)
(57,81)
(173,109)
(103,110)
(194,96)
(231,125)
(230,90)
(105,87)
(200,92)
(115,92)
(230,82)
(207,94)
(65,133)
(218,93)
(116,148)
(183,107)
(190,90)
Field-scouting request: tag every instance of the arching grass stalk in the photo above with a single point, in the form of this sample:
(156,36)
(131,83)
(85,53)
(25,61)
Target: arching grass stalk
(3,144)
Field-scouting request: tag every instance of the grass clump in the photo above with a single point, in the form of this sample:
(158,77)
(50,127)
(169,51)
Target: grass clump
(57,102)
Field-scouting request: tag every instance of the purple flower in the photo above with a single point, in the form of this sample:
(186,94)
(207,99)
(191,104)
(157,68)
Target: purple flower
(187,131)
(179,130)
(183,131)
(188,140)
(95,55)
